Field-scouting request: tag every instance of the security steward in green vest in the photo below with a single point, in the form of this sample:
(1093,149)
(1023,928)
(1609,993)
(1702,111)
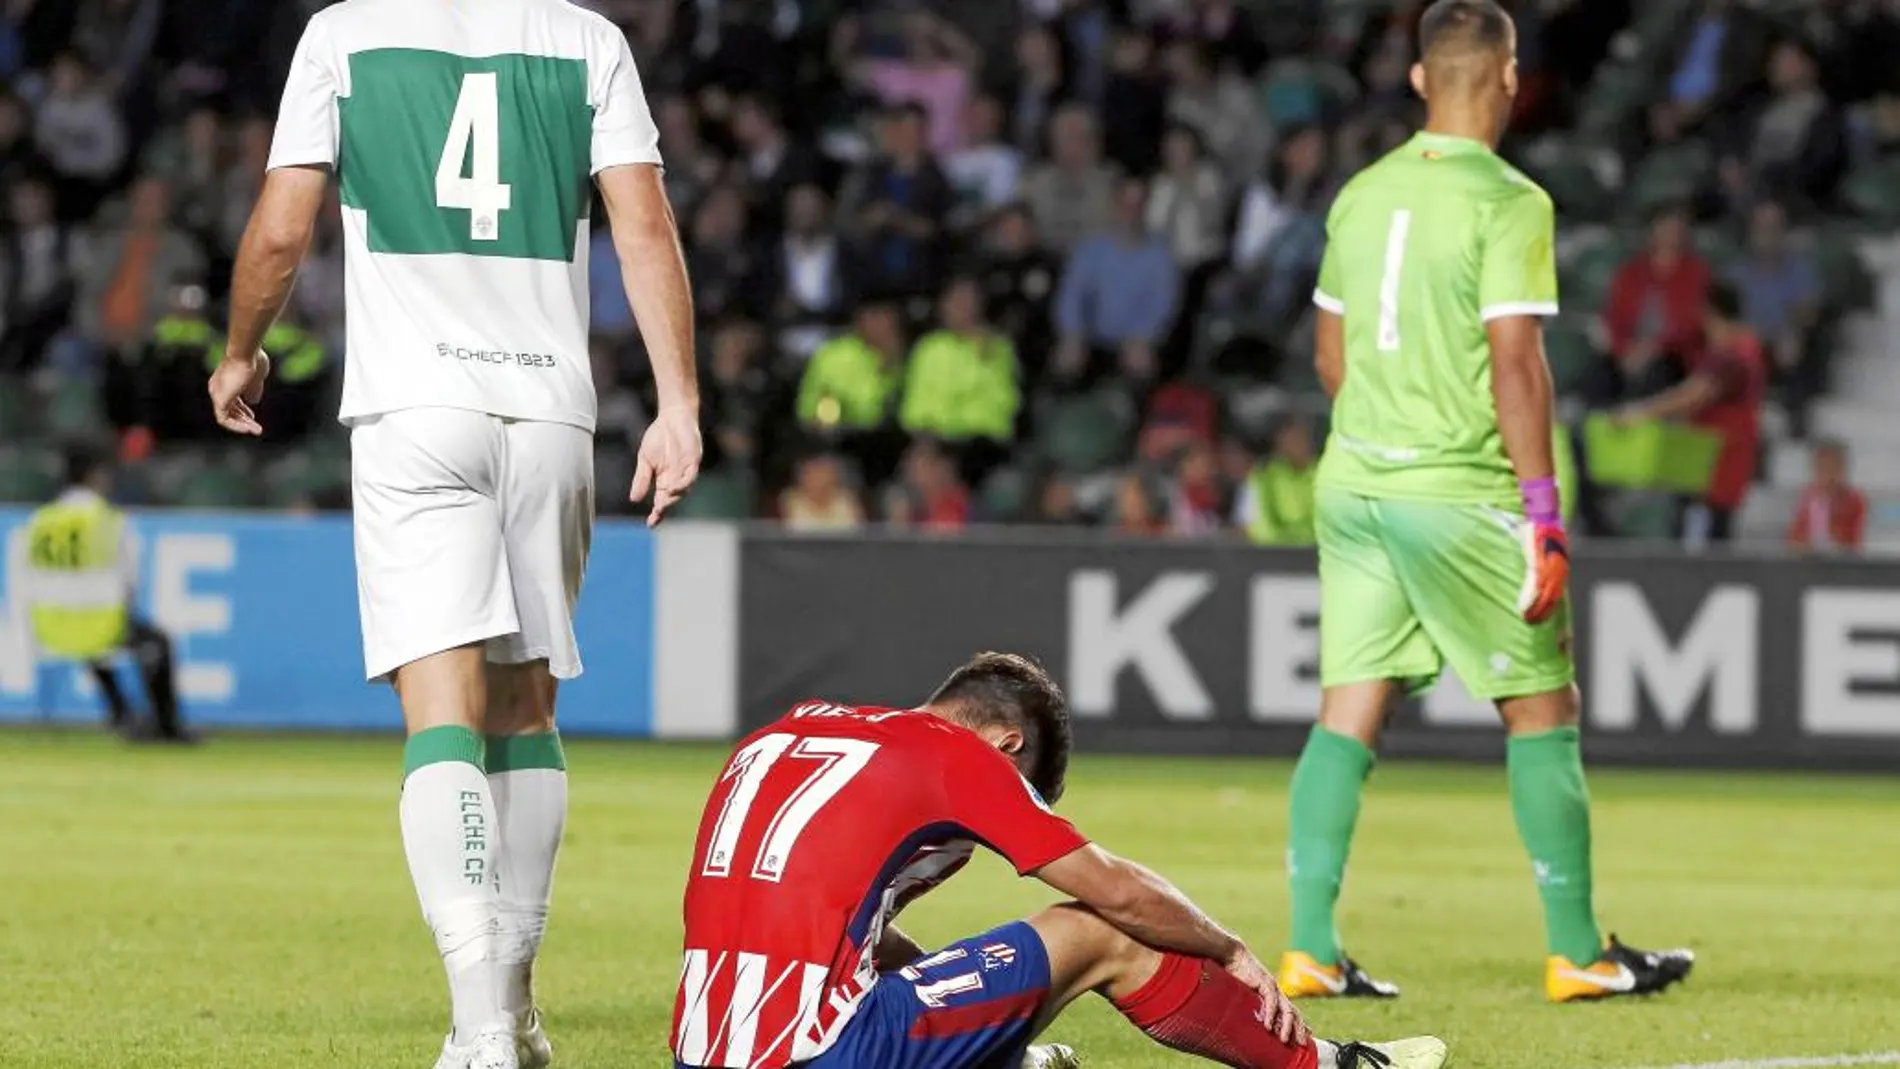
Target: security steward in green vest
(80,590)
(1276,504)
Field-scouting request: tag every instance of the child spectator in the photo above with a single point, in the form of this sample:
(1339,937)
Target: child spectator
(1831,516)
(820,499)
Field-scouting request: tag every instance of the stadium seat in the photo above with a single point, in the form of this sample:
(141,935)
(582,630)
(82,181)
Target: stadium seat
(1573,174)
(17,409)
(216,485)
(73,410)
(1672,175)
(1087,433)
(1845,280)
(1567,344)
(718,495)
(28,476)
(1872,192)
(1004,496)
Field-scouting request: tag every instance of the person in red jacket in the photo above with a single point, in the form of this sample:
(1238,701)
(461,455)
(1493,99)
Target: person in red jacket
(1831,515)
(1723,393)
(1655,307)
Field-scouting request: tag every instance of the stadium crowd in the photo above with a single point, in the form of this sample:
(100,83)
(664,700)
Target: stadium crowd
(1038,261)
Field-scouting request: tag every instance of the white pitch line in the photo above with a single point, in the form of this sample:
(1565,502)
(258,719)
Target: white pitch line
(1885,1057)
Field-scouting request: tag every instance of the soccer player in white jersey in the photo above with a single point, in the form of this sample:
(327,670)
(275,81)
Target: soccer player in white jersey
(462,136)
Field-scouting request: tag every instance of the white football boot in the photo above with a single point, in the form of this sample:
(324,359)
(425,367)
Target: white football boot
(492,1048)
(1418,1052)
(1051,1056)
(531,1042)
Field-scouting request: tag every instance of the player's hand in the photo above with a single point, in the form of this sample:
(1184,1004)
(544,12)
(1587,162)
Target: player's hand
(1276,1010)
(669,459)
(1547,555)
(236,386)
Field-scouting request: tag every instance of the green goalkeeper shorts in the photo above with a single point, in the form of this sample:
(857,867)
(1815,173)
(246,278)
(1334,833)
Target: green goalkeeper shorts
(1407,587)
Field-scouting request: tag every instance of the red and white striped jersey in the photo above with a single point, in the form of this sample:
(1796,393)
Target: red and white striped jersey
(822,826)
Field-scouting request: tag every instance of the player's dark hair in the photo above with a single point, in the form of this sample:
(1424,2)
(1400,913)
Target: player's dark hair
(1015,691)
(1725,300)
(81,461)
(1462,26)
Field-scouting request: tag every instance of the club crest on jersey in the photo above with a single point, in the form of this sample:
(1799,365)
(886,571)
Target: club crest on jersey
(997,956)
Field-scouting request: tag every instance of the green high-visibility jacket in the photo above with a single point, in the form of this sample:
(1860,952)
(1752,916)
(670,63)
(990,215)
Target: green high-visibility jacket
(76,588)
(961,387)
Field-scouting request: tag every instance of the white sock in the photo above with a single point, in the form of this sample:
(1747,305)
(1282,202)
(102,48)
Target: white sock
(531,805)
(450,832)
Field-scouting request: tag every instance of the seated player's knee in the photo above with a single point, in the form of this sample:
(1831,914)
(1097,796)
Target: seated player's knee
(1075,934)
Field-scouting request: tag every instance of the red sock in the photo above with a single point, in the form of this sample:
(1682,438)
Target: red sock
(1197,1007)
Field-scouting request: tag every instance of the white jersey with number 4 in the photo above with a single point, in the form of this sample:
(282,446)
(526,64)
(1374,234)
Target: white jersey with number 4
(464,136)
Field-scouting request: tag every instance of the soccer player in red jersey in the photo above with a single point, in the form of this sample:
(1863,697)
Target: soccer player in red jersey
(825,824)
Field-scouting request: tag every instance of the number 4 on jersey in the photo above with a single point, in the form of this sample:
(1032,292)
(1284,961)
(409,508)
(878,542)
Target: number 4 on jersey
(475,131)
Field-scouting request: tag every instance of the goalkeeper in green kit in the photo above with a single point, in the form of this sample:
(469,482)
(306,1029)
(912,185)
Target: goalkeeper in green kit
(1441,539)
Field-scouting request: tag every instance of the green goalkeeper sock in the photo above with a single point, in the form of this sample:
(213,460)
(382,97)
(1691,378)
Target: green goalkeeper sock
(1325,806)
(1552,806)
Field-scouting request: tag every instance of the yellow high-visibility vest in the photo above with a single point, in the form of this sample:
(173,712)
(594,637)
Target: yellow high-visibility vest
(75,589)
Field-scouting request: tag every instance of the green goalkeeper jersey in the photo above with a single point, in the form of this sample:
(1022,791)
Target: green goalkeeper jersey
(1423,249)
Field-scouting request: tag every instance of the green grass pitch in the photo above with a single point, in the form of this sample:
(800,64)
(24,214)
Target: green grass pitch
(246,905)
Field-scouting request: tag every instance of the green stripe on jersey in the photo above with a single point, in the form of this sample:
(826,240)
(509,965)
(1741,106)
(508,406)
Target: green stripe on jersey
(483,156)
(1422,248)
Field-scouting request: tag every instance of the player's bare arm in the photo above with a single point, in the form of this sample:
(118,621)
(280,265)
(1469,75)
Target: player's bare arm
(274,245)
(1520,384)
(1146,906)
(646,239)
(1329,350)
(1142,903)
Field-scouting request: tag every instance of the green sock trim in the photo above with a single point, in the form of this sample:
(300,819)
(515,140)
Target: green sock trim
(1551,802)
(436,745)
(1323,811)
(513,753)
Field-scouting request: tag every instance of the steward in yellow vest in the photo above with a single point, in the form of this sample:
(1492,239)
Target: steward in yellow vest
(80,584)
(1276,504)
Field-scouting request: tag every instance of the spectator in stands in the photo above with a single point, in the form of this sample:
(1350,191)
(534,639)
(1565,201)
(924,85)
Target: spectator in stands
(1073,195)
(987,171)
(1831,516)
(773,163)
(934,72)
(1134,511)
(610,316)
(1056,504)
(1119,295)
(937,498)
(192,162)
(810,272)
(1188,209)
(243,178)
(152,389)
(79,129)
(1136,94)
(1792,146)
(1281,234)
(725,265)
(1275,505)
(1718,54)
(1197,505)
(691,166)
(851,382)
(36,279)
(1781,299)
(1179,416)
(115,38)
(736,395)
(820,497)
(895,206)
(1655,311)
(961,386)
(1221,106)
(1225,26)
(1019,277)
(1039,86)
(1727,380)
(127,275)
(18,156)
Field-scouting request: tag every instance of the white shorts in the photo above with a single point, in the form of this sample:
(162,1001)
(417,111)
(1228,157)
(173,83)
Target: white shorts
(470,528)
